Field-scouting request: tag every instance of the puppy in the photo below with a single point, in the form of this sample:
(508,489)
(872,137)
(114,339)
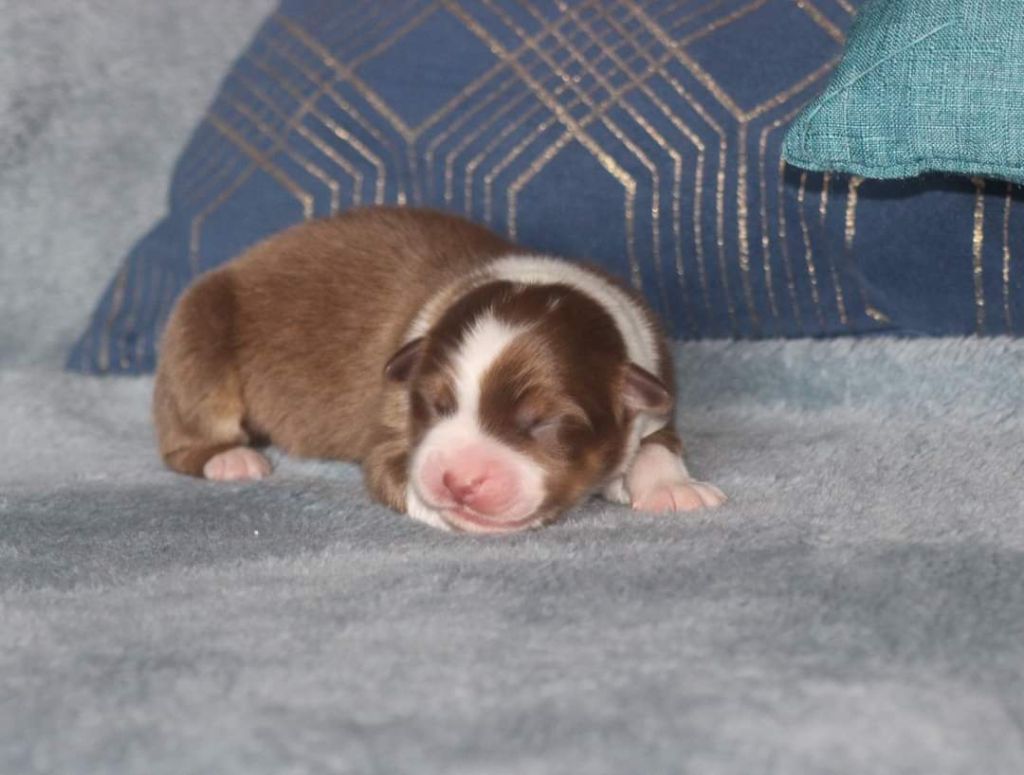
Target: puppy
(482,389)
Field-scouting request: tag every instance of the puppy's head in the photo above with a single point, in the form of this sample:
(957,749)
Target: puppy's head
(522,400)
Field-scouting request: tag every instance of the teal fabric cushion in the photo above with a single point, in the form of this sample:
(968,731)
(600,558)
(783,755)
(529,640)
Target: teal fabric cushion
(924,85)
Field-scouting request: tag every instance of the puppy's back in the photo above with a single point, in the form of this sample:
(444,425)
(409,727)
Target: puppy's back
(297,330)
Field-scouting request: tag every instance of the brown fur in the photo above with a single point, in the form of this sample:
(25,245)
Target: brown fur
(289,343)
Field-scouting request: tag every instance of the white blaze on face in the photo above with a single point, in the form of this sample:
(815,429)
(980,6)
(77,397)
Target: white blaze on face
(458,469)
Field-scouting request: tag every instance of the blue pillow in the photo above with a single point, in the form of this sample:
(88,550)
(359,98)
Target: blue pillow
(643,136)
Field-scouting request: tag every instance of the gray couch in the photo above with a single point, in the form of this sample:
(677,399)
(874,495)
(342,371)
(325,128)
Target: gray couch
(858,606)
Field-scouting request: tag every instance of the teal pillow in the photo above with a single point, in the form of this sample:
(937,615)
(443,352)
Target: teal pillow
(924,85)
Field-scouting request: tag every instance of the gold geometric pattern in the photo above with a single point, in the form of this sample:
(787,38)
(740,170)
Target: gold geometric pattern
(584,76)
(490,108)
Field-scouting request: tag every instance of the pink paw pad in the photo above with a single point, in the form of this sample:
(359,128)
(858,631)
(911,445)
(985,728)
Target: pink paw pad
(679,496)
(236,465)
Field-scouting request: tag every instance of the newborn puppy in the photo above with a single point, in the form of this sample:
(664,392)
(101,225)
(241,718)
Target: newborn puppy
(482,389)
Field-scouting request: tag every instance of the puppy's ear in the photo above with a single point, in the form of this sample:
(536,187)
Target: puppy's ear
(644,393)
(400,367)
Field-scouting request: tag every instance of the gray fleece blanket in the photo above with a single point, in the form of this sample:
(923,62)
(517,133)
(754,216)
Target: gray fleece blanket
(857,607)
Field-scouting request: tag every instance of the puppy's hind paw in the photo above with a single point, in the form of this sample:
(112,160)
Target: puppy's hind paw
(237,465)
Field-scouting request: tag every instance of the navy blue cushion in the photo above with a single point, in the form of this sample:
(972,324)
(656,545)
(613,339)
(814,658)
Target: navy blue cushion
(643,136)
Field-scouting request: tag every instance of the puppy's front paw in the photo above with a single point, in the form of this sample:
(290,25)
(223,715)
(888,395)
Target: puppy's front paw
(236,465)
(659,482)
(678,496)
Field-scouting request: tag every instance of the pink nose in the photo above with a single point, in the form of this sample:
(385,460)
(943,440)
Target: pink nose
(462,487)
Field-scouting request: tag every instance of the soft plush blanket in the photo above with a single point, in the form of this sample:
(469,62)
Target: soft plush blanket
(857,607)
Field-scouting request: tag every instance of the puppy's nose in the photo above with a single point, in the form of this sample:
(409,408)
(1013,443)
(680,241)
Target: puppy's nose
(462,486)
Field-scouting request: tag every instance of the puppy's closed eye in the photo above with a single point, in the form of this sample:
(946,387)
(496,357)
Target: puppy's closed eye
(433,404)
(529,418)
(547,432)
(546,424)
(539,427)
(443,405)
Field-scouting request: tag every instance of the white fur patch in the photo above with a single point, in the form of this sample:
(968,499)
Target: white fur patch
(615,491)
(654,466)
(641,340)
(418,509)
(482,344)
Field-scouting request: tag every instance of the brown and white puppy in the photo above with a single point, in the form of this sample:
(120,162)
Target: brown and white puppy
(481,388)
